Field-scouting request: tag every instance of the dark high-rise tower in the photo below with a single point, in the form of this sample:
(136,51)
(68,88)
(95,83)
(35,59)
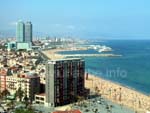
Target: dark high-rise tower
(28,32)
(64,81)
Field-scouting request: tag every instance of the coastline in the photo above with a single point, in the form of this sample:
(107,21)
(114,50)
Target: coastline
(119,83)
(110,90)
(118,93)
(54,53)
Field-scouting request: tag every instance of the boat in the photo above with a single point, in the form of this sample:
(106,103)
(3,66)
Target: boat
(104,49)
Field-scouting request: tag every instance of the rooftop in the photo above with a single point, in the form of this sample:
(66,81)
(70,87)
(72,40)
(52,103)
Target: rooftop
(72,111)
(42,94)
(28,75)
(65,59)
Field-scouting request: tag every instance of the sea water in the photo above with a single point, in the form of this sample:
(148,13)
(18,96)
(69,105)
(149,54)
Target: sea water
(132,69)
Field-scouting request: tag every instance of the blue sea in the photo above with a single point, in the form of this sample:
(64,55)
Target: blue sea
(132,69)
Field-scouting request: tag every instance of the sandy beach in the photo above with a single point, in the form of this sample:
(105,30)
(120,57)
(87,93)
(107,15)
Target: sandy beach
(110,90)
(52,54)
(119,94)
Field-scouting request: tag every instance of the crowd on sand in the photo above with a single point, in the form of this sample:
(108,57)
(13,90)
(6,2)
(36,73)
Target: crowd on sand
(119,94)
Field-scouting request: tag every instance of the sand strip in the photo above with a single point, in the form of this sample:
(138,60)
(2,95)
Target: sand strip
(119,94)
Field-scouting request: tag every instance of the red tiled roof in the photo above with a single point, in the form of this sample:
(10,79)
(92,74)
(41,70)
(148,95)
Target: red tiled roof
(27,77)
(14,68)
(3,72)
(72,111)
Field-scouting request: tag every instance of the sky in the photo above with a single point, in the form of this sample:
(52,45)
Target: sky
(121,19)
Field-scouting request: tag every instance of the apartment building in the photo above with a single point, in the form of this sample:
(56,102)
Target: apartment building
(3,73)
(64,81)
(29,84)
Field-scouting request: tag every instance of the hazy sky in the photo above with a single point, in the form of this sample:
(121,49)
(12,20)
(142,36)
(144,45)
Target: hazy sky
(82,18)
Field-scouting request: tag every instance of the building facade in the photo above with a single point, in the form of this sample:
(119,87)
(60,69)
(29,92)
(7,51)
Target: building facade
(23,35)
(64,81)
(3,74)
(29,84)
(20,32)
(28,32)
(11,46)
(23,46)
(40,98)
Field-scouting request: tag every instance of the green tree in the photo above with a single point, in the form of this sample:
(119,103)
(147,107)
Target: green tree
(1,95)
(5,93)
(24,111)
(26,101)
(11,104)
(80,99)
(19,94)
(37,61)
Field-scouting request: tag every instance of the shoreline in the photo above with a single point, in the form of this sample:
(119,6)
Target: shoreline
(118,93)
(54,53)
(121,84)
(113,91)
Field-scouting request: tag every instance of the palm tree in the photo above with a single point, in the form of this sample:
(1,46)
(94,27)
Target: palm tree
(115,94)
(120,96)
(19,94)
(96,111)
(139,104)
(80,99)
(111,106)
(5,93)
(110,93)
(11,104)
(26,101)
(96,90)
(1,95)
(107,108)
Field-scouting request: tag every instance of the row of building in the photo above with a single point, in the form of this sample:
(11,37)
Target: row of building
(24,32)
(19,70)
(54,83)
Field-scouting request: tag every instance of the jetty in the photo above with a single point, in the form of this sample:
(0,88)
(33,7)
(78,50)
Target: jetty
(91,55)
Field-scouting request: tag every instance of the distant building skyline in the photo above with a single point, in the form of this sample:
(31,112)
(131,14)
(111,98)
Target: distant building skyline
(103,19)
(24,32)
(23,35)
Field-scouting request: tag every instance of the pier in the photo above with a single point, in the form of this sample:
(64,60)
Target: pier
(92,55)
